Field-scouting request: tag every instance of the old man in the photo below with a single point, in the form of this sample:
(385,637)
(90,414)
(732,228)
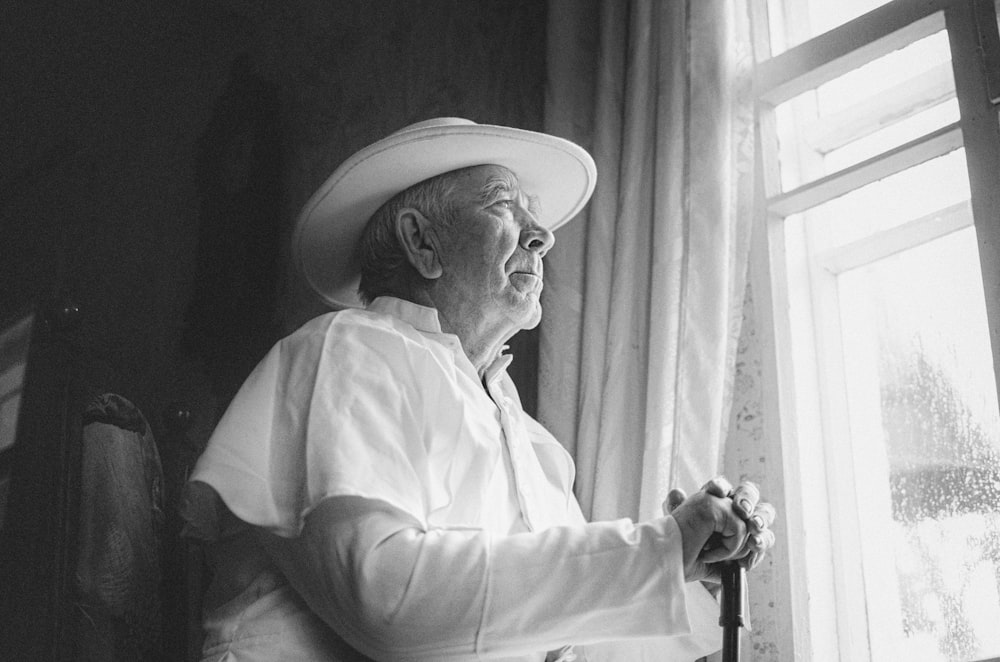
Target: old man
(376,491)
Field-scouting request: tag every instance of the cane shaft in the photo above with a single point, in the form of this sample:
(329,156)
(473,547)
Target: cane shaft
(731,643)
(731,616)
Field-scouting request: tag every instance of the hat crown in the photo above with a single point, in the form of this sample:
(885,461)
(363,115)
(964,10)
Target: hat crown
(436,122)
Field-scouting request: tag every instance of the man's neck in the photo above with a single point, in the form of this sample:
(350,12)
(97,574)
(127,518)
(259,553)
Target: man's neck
(481,340)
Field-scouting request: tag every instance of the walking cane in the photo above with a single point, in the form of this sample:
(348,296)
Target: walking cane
(731,614)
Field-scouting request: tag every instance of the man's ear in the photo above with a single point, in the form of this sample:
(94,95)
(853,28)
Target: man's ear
(419,243)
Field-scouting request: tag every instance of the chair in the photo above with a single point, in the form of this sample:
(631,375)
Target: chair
(92,564)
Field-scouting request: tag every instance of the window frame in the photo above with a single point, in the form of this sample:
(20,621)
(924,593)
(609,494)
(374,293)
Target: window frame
(824,582)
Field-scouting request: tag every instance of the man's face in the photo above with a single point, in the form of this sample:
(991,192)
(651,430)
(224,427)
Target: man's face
(491,256)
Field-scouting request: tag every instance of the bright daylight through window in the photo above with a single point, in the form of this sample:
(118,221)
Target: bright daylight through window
(875,226)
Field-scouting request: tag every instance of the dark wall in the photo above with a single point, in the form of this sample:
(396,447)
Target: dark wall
(154,154)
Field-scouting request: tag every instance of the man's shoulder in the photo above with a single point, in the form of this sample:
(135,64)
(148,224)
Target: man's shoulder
(352,322)
(355,336)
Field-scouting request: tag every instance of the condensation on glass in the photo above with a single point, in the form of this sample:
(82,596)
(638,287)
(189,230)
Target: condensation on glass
(928,455)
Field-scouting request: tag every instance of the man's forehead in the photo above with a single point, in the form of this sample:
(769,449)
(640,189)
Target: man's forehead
(498,181)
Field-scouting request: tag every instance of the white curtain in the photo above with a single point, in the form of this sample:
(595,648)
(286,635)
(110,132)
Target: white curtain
(644,292)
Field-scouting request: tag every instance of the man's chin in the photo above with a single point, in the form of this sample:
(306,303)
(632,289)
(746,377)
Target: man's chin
(524,312)
(532,319)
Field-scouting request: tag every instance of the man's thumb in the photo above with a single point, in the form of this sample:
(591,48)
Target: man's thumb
(674,498)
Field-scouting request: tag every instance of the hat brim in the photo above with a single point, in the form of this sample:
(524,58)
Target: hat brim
(560,173)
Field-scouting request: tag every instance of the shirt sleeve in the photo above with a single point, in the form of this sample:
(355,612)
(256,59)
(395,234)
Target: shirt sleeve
(704,638)
(332,410)
(395,590)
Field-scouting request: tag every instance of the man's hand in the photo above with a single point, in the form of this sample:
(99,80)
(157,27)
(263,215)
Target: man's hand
(719,523)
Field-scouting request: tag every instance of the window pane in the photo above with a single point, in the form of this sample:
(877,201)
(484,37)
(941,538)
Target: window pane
(933,186)
(795,21)
(928,450)
(891,136)
(874,108)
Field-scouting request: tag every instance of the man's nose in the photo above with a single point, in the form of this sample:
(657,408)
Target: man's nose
(534,236)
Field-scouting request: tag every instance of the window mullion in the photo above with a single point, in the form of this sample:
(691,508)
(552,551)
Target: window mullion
(896,160)
(981,134)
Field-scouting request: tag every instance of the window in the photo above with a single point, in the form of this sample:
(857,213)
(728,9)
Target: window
(880,152)
(14,339)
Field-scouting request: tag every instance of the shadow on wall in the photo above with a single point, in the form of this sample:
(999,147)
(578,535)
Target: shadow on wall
(232,319)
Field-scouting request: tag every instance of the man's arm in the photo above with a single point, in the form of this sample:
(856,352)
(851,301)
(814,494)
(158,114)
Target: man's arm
(396,591)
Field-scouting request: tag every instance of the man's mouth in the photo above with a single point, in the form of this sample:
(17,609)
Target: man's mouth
(526,280)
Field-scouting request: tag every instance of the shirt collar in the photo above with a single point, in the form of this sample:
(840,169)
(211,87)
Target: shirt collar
(421,318)
(498,367)
(425,319)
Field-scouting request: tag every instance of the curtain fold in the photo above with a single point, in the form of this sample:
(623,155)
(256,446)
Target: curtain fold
(644,293)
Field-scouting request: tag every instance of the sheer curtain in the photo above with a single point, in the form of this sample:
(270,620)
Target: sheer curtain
(643,293)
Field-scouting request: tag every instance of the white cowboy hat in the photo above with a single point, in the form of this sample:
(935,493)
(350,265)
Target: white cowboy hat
(562,175)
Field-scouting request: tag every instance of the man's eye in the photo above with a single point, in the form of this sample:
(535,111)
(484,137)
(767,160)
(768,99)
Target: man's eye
(506,204)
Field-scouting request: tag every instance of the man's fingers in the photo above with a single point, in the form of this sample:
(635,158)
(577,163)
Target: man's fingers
(745,498)
(762,518)
(764,540)
(758,544)
(718,487)
(752,560)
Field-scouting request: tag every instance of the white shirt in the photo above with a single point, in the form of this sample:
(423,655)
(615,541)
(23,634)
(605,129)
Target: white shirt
(482,551)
